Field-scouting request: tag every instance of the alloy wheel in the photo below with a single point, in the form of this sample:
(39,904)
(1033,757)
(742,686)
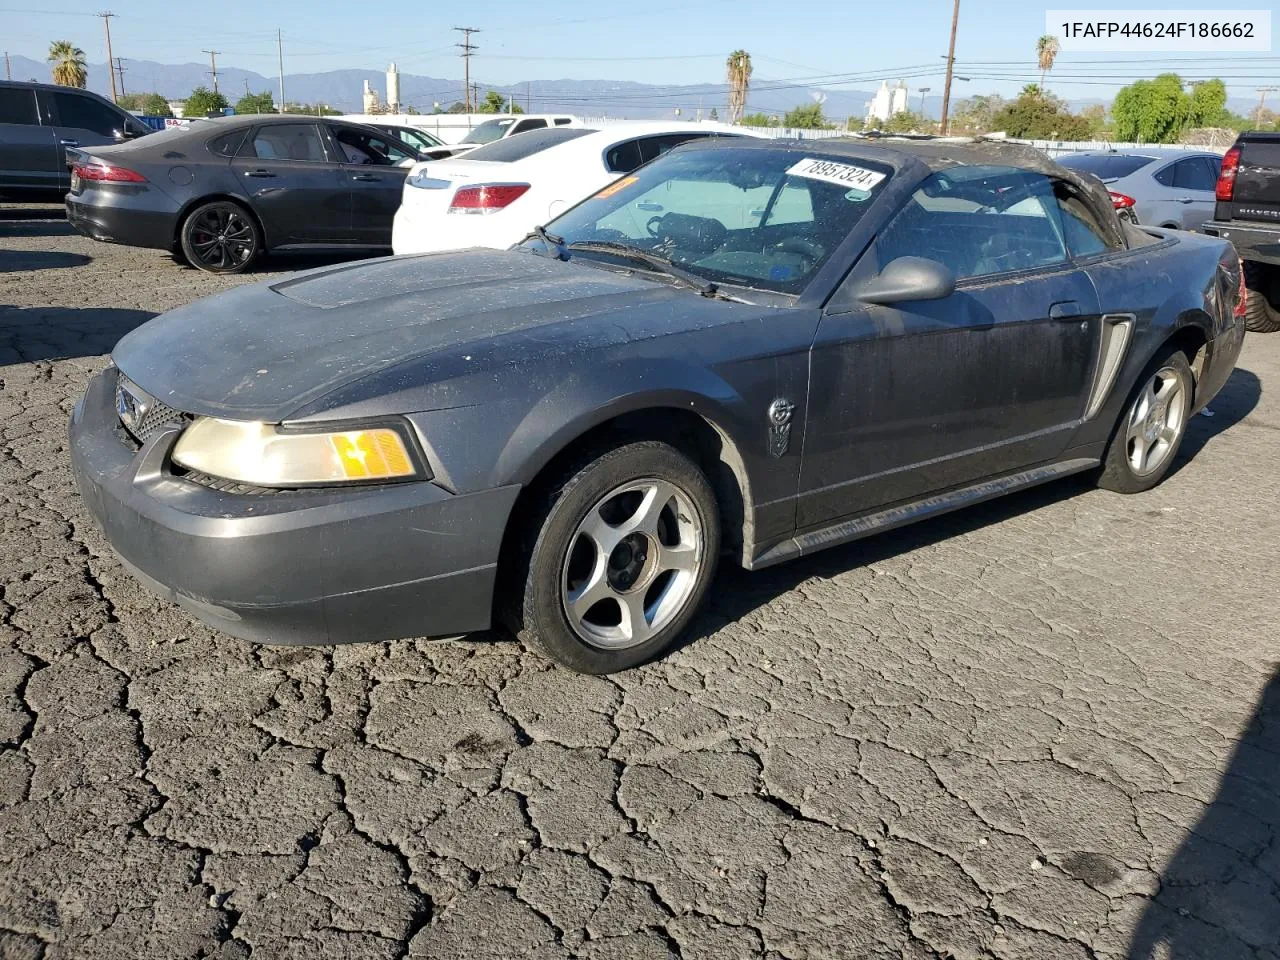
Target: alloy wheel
(632,564)
(1156,422)
(221,237)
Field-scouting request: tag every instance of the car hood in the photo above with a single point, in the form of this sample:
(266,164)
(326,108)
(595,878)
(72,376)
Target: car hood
(262,352)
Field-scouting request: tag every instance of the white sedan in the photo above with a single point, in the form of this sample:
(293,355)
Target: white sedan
(496,194)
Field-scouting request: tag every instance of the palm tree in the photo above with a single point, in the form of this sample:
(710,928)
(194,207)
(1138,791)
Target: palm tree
(739,76)
(68,64)
(1047,51)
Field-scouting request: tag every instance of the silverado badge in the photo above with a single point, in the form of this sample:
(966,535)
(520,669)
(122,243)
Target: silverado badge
(780,412)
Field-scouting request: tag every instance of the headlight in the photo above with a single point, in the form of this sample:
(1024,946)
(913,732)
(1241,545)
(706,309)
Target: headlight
(263,455)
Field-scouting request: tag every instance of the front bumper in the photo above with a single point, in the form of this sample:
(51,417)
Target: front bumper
(135,219)
(302,567)
(1258,243)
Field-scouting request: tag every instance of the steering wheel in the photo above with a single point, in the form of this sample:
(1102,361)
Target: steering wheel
(650,226)
(805,248)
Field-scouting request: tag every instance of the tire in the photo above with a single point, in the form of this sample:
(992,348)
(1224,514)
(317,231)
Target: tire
(635,592)
(220,237)
(1259,315)
(1151,428)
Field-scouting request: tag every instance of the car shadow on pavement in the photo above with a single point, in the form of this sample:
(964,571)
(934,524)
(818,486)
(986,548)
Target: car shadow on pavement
(28,261)
(60,333)
(1218,894)
(1233,403)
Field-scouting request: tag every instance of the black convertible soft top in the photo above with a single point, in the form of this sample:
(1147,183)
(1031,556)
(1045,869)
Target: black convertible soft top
(939,153)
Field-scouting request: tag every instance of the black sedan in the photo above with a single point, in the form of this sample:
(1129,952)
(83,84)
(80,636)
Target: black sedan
(759,349)
(222,192)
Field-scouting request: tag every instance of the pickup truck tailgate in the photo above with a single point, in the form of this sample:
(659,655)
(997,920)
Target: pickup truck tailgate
(1257,191)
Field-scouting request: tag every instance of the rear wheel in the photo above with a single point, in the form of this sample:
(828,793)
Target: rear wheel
(616,558)
(1260,313)
(1152,426)
(220,237)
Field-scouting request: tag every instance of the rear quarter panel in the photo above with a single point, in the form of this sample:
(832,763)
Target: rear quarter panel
(1168,286)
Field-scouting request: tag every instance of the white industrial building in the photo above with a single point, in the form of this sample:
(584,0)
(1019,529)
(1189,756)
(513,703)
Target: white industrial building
(887,102)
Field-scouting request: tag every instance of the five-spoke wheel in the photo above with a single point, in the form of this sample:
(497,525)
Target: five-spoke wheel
(1152,426)
(617,555)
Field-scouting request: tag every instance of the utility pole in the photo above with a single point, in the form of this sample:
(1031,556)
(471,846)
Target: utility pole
(923,91)
(280,60)
(528,92)
(213,65)
(8,74)
(1262,99)
(467,49)
(120,70)
(951,63)
(106,25)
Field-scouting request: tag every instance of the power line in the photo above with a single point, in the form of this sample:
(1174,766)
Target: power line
(468,48)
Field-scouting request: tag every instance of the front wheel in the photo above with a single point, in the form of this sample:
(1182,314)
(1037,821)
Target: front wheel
(220,237)
(624,547)
(1152,426)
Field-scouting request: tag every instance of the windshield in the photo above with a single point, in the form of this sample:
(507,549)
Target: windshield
(1111,166)
(489,131)
(766,218)
(523,145)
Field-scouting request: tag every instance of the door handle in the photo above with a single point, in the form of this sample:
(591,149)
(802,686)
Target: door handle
(1065,310)
(1186,199)
(70,143)
(261,174)
(365,178)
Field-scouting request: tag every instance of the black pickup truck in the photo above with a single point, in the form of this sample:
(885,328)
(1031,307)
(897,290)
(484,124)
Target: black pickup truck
(1247,213)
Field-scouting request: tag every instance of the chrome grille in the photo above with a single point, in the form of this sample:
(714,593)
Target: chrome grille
(142,415)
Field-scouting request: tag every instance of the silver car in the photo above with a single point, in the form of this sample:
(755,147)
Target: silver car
(1162,188)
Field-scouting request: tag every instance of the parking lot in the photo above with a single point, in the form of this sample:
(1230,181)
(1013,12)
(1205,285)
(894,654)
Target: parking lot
(1048,727)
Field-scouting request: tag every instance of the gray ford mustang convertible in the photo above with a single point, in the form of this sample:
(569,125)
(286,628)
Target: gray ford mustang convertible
(754,350)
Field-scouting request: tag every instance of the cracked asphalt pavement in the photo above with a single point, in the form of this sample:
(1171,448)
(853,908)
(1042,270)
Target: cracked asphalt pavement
(1048,727)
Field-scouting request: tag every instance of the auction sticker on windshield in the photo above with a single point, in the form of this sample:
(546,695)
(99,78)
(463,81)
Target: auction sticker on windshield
(845,174)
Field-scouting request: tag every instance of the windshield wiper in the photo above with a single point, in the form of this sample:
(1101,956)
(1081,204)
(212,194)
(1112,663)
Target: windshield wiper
(661,264)
(555,245)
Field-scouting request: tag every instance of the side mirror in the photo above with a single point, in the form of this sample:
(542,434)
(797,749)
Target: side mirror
(908,279)
(121,136)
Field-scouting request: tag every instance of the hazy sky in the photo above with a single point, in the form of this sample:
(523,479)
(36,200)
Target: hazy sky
(818,43)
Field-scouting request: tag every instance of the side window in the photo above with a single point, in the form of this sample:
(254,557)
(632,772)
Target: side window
(1165,176)
(228,144)
(362,148)
(85,113)
(1192,174)
(623,157)
(563,121)
(524,126)
(287,141)
(979,221)
(18,106)
(1085,236)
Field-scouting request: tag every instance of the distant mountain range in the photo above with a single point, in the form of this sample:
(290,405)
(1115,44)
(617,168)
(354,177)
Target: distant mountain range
(341,89)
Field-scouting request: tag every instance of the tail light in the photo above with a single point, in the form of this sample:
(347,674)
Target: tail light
(1120,201)
(107,173)
(488,198)
(1242,296)
(1226,187)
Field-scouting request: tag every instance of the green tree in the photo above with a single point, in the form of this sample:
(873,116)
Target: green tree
(411,111)
(256,103)
(714,115)
(904,121)
(1208,104)
(807,116)
(148,104)
(67,61)
(974,115)
(1038,116)
(457,107)
(1152,111)
(311,109)
(494,102)
(759,120)
(1096,116)
(738,73)
(202,102)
